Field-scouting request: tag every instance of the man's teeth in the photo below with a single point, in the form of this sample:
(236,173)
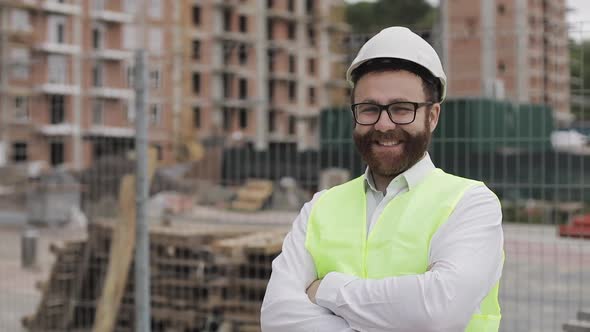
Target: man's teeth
(392,143)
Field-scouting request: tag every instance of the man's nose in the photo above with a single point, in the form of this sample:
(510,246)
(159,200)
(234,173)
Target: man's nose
(384,124)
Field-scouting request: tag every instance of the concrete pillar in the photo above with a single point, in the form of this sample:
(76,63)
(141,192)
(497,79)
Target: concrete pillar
(522,32)
(262,106)
(488,45)
(302,46)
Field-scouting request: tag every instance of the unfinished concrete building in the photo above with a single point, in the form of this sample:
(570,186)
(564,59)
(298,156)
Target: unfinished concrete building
(513,49)
(260,71)
(245,71)
(67,95)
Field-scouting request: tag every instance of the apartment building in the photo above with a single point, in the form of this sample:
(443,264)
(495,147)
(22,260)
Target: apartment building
(67,95)
(513,49)
(245,71)
(260,71)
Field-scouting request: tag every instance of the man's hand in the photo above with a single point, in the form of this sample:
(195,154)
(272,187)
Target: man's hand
(313,289)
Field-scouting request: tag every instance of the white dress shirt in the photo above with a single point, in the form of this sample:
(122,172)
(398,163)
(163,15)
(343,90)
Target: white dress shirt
(465,262)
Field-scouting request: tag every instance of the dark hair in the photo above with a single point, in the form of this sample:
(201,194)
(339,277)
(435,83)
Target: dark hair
(430,84)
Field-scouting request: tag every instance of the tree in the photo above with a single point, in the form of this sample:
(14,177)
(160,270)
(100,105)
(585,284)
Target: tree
(371,17)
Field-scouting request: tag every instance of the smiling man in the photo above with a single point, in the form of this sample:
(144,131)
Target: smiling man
(405,246)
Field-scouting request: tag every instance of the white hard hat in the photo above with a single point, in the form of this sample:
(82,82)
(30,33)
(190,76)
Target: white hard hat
(401,43)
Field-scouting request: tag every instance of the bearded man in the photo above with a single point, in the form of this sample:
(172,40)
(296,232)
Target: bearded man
(405,246)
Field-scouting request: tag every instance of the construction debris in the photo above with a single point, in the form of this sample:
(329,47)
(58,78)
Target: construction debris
(581,324)
(207,193)
(253,196)
(289,196)
(169,202)
(204,277)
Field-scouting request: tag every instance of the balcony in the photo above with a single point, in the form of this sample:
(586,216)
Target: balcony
(58,88)
(310,113)
(337,83)
(24,36)
(61,129)
(234,36)
(110,131)
(242,71)
(111,16)
(282,76)
(112,54)
(196,32)
(23,4)
(111,93)
(290,109)
(283,44)
(60,8)
(51,47)
(277,136)
(13,90)
(227,3)
(235,102)
(281,14)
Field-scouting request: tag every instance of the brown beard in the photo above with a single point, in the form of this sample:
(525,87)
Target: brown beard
(414,147)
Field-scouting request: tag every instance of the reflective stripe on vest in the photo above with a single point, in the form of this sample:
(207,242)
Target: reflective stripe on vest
(399,241)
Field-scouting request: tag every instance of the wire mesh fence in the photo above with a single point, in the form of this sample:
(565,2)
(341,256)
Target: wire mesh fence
(217,223)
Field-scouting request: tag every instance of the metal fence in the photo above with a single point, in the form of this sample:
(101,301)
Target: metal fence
(217,223)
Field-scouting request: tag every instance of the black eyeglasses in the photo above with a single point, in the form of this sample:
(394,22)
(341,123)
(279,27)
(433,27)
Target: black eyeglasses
(400,112)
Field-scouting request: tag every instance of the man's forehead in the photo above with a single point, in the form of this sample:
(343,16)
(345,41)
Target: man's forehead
(395,84)
(384,79)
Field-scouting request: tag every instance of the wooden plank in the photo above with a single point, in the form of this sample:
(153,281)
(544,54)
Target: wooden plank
(121,253)
(69,247)
(248,328)
(250,206)
(576,326)
(254,240)
(56,291)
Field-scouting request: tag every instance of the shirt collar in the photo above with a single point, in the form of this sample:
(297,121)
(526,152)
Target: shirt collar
(410,178)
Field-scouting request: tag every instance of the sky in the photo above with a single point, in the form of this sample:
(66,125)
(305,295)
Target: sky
(578,15)
(579,18)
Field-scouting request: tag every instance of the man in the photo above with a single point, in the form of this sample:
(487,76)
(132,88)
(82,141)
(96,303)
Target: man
(405,247)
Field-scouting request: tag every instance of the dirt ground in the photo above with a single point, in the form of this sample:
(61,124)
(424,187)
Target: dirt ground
(545,278)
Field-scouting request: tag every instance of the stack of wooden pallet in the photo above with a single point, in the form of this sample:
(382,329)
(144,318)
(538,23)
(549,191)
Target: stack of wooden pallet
(246,266)
(58,289)
(202,277)
(253,195)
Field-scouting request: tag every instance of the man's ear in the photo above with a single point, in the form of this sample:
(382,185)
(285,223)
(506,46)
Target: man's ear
(433,116)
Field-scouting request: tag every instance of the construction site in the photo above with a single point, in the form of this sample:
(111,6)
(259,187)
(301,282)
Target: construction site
(246,115)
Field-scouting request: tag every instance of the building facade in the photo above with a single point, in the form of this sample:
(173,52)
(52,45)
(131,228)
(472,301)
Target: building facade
(67,96)
(260,71)
(244,71)
(513,49)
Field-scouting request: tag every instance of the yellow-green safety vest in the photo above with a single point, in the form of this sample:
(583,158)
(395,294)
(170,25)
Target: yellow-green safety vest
(399,242)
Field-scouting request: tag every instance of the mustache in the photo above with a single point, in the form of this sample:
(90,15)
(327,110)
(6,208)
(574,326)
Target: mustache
(396,134)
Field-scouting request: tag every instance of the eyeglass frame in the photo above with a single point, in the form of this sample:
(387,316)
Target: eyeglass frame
(386,109)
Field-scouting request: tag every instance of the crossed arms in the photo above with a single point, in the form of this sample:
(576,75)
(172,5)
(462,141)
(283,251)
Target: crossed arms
(465,263)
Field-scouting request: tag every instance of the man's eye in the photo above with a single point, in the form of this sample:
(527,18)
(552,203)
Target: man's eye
(369,110)
(401,108)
